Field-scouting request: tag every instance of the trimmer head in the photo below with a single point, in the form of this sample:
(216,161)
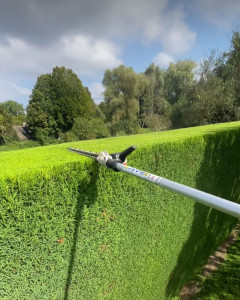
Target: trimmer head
(103,158)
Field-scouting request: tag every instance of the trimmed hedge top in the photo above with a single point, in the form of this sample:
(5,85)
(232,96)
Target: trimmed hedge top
(19,162)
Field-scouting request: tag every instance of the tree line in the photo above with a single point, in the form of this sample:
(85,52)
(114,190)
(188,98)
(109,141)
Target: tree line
(61,108)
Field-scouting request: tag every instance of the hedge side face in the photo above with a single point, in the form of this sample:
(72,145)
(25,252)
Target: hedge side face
(70,229)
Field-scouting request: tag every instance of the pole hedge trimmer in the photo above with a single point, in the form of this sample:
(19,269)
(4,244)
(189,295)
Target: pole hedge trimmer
(118,162)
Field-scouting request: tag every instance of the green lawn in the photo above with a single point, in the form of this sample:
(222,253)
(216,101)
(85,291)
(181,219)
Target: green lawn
(225,282)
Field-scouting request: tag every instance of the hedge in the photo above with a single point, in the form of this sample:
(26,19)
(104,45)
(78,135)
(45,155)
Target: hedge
(70,229)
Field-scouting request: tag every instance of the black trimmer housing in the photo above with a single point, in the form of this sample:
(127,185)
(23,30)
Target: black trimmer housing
(103,158)
(120,157)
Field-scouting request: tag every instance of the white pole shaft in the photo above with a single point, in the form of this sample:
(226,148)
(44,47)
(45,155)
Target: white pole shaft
(218,203)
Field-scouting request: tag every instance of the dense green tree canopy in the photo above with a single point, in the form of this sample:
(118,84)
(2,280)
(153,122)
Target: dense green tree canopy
(120,94)
(231,64)
(208,102)
(179,76)
(13,108)
(56,100)
(152,100)
(159,99)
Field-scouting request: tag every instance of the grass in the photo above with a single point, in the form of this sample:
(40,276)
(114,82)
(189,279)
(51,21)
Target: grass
(225,282)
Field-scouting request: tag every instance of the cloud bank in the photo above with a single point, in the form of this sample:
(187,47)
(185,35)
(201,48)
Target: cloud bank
(220,13)
(91,36)
(86,36)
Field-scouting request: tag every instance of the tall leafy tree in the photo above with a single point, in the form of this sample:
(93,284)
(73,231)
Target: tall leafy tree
(232,64)
(57,99)
(207,102)
(152,99)
(179,77)
(120,94)
(153,105)
(154,95)
(40,111)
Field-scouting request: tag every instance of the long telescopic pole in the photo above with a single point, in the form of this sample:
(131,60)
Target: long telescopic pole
(117,162)
(218,203)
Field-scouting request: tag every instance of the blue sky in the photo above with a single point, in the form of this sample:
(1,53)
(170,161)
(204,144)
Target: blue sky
(91,36)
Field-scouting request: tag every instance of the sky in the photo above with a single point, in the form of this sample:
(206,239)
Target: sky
(94,35)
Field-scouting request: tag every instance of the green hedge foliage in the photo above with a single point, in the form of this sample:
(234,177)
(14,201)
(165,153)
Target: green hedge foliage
(70,229)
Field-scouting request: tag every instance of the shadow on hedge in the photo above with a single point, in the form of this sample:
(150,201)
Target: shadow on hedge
(87,192)
(222,164)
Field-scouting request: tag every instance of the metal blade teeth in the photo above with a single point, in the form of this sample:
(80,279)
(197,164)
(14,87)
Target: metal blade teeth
(89,154)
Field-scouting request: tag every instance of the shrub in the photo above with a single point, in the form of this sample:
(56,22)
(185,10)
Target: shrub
(14,145)
(43,136)
(70,229)
(156,122)
(69,136)
(87,129)
(124,127)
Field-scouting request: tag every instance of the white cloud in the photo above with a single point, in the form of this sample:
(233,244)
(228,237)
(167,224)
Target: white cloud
(85,55)
(152,20)
(97,90)
(91,55)
(11,91)
(220,13)
(83,35)
(170,29)
(163,59)
(16,57)
(177,38)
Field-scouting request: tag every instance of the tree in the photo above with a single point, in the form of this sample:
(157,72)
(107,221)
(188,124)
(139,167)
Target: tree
(227,65)
(57,99)
(179,77)
(6,123)
(15,111)
(215,101)
(154,102)
(207,67)
(153,105)
(120,94)
(70,98)
(231,64)
(121,104)
(207,102)
(13,108)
